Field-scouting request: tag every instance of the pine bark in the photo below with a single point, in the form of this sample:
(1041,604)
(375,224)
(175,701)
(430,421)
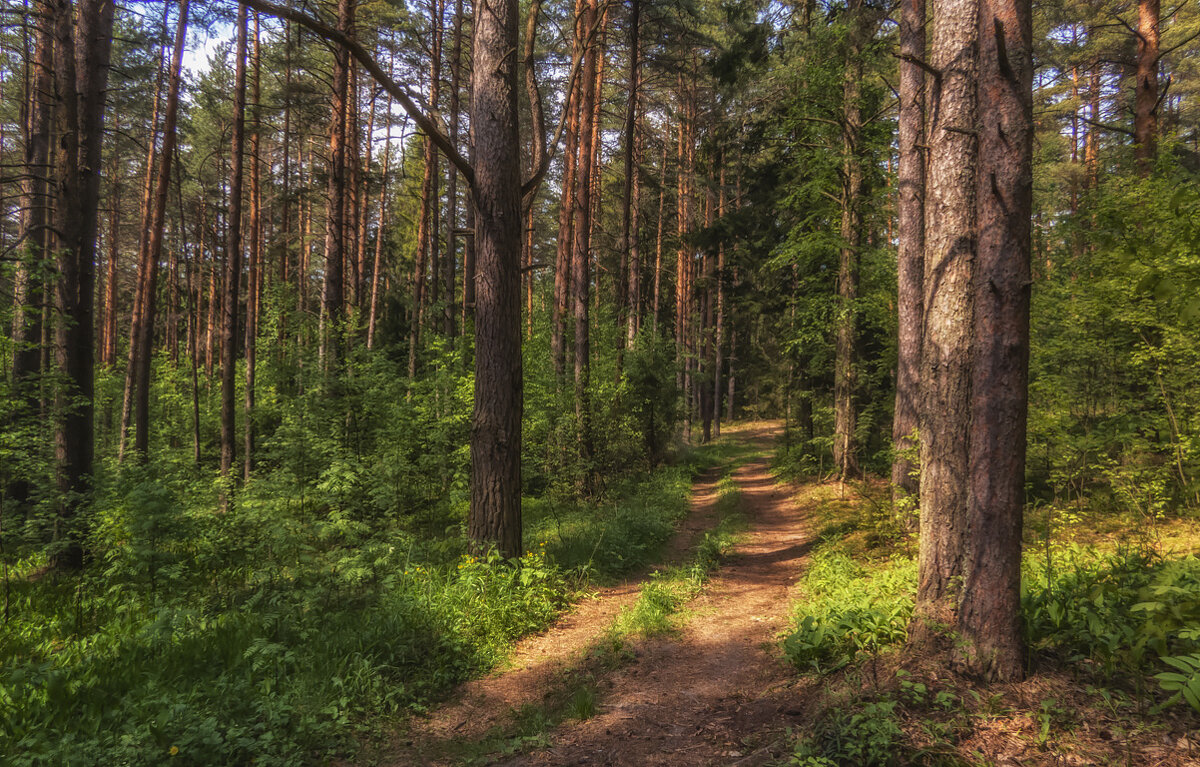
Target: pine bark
(950,240)
(845,383)
(233,254)
(81,66)
(1145,106)
(629,271)
(141,348)
(495,514)
(910,258)
(254,273)
(333,295)
(990,638)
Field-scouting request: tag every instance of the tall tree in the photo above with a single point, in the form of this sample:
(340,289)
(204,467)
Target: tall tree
(495,515)
(83,46)
(950,242)
(233,253)
(990,637)
(910,209)
(141,348)
(1145,105)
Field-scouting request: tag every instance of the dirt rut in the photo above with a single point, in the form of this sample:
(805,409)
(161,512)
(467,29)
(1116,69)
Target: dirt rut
(716,693)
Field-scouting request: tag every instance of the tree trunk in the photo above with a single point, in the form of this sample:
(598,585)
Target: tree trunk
(378,265)
(252,285)
(1145,105)
(630,264)
(233,255)
(81,65)
(658,237)
(141,346)
(990,640)
(845,383)
(28,287)
(581,242)
(451,328)
(495,515)
(333,295)
(910,205)
(566,214)
(719,330)
(950,239)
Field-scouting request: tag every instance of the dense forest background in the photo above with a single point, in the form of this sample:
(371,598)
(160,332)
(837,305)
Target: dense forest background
(235,426)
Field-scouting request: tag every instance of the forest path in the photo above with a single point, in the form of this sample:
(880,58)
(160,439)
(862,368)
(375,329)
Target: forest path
(712,693)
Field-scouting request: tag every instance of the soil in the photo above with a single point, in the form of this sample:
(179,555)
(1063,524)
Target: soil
(709,694)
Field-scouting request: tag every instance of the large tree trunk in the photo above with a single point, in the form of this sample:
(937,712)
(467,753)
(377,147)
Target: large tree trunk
(141,347)
(81,65)
(950,238)
(495,515)
(910,205)
(989,632)
(1145,103)
(233,254)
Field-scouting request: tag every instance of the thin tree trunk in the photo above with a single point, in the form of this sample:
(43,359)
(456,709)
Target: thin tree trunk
(719,331)
(141,347)
(581,242)
(910,206)
(451,329)
(255,256)
(845,413)
(627,272)
(566,214)
(378,265)
(658,238)
(233,256)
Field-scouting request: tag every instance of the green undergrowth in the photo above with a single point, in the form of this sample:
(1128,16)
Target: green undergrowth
(659,606)
(575,694)
(1119,623)
(271,634)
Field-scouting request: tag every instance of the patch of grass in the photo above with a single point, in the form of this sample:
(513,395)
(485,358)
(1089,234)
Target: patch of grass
(657,609)
(275,632)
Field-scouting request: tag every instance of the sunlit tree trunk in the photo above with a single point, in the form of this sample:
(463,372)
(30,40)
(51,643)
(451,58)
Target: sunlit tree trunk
(910,205)
(495,514)
(1145,105)
(233,255)
(990,641)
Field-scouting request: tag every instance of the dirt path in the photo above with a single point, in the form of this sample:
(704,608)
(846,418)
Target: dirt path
(712,694)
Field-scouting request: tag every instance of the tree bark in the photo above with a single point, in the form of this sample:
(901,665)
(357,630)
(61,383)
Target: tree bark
(333,295)
(1145,106)
(630,265)
(845,384)
(990,638)
(81,66)
(581,242)
(910,258)
(141,347)
(255,257)
(495,514)
(233,256)
(950,232)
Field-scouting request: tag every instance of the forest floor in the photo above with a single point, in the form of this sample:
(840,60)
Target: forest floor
(706,693)
(715,689)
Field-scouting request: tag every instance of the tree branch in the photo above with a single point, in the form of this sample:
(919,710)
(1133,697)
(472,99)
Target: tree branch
(426,122)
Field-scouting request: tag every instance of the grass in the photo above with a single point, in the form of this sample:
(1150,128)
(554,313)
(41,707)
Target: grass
(1113,623)
(272,634)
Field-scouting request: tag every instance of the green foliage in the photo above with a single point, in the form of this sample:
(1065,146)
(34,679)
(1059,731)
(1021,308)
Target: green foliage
(865,735)
(849,609)
(1121,609)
